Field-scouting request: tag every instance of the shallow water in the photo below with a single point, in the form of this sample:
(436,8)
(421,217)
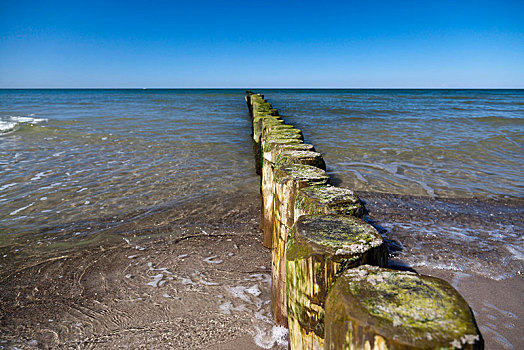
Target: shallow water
(79,162)
(75,157)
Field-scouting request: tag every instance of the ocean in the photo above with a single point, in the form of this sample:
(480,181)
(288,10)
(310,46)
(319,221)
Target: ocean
(439,170)
(74,157)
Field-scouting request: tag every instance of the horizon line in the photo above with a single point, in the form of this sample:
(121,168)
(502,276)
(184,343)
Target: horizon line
(254,88)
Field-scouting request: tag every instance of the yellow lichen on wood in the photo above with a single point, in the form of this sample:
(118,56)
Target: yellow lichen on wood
(319,247)
(397,310)
(287,181)
(328,199)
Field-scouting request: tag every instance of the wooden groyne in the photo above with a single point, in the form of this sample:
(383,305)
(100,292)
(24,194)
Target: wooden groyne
(330,281)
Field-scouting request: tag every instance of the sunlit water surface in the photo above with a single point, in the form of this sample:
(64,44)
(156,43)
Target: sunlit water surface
(77,162)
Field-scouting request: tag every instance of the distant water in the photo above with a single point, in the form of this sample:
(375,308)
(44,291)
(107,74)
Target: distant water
(75,162)
(436,143)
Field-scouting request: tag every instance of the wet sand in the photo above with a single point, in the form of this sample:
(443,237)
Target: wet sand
(202,285)
(198,277)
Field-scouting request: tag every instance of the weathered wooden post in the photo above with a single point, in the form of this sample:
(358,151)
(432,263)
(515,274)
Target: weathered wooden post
(273,149)
(288,180)
(317,248)
(377,308)
(328,200)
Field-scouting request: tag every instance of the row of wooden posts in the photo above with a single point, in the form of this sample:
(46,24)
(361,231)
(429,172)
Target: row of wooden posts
(330,282)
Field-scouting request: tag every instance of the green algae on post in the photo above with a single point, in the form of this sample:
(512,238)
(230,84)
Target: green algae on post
(276,148)
(328,200)
(274,128)
(268,145)
(267,186)
(289,156)
(283,135)
(265,108)
(319,247)
(378,308)
(259,124)
(287,181)
(306,174)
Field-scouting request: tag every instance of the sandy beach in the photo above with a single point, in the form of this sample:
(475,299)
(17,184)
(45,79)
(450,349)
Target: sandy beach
(201,290)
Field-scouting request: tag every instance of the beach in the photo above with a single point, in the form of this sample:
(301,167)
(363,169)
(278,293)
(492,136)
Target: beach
(131,218)
(192,288)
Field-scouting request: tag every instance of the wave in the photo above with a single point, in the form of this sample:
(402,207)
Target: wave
(11,124)
(499,120)
(8,127)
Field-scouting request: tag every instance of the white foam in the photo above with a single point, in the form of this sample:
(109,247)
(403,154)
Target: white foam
(7,186)
(239,292)
(253,290)
(51,186)
(157,281)
(516,251)
(6,127)
(20,209)
(40,175)
(267,340)
(227,308)
(29,120)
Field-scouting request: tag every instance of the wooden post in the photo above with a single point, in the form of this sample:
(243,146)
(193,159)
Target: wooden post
(287,181)
(377,308)
(317,248)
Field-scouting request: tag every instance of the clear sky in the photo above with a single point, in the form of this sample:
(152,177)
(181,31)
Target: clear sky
(222,43)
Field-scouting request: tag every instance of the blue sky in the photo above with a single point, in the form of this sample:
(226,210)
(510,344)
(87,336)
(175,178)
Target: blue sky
(196,43)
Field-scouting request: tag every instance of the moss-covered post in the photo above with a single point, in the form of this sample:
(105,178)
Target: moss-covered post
(377,308)
(328,200)
(272,150)
(318,247)
(262,114)
(259,123)
(288,180)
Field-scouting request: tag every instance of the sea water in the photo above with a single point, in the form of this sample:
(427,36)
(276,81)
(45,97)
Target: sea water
(73,158)
(77,162)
